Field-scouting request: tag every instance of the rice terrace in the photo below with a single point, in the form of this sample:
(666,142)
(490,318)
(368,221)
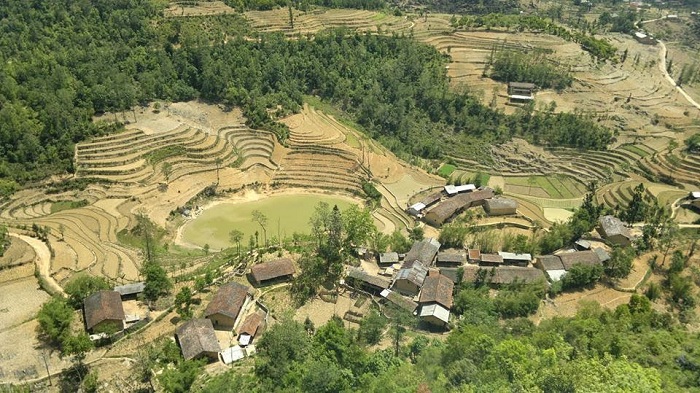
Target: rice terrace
(341,196)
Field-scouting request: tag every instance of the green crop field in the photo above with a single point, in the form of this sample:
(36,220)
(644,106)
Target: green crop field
(446,170)
(634,149)
(558,187)
(289,213)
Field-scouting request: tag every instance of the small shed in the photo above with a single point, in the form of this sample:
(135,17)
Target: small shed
(452,190)
(399,301)
(603,255)
(435,314)
(473,255)
(252,326)
(614,230)
(103,312)
(644,38)
(226,306)
(510,258)
(416,209)
(582,245)
(197,339)
(500,206)
(273,271)
(130,290)
(232,354)
(521,91)
(360,278)
(450,258)
(388,258)
(491,260)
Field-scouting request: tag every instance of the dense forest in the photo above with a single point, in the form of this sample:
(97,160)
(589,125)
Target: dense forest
(512,66)
(61,62)
(262,5)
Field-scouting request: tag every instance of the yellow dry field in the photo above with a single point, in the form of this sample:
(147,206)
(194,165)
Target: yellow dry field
(198,8)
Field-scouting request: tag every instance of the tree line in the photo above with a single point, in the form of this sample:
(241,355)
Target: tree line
(90,58)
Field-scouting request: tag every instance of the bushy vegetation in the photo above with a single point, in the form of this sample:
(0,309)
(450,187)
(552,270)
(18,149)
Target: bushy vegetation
(632,349)
(512,66)
(394,87)
(600,49)
(304,5)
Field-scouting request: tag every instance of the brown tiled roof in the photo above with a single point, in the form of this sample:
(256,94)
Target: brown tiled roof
(252,323)
(401,301)
(509,274)
(376,281)
(451,257)
(450,207)
(570,259)
(273,269)
(197,337)
(550,262)
(432,198)
(423,251)
(102,306)
(500,203)
(228,300)
(437,289)
(491,258)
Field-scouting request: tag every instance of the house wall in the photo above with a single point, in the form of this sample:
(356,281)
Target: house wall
(501,211)
(516,263)
(433,219)
(222,321)
(618,239)
(109,325)
(433,320)
(273,280)
(406,287)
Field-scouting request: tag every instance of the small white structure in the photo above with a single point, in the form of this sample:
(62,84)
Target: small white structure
(232,354)
(435,313)
(695,195)
(416,209)
(454,190)
(515,259)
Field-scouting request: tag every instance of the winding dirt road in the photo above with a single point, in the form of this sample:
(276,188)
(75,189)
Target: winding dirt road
(42,261)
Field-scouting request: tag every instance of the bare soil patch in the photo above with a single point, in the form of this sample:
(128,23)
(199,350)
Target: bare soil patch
(200,8)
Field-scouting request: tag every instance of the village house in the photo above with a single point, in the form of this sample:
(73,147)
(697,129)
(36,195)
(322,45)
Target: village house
(519,92)
(417,209)
(450,258)
(490,260)
(551,265)
(197,339)
(505,275)
(273,271)
(510,258)
(388,258)
(614,230)
(252,326)
(500,206)
(358,278)
(569,259)
(436,299)
(446,210)
(103,312)
(226,306)
(423,251)
(644,38)
(582,245)
(409,279)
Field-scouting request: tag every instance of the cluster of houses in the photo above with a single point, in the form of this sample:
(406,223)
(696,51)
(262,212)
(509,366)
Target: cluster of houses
(440,207)
(422,281)
(231,310)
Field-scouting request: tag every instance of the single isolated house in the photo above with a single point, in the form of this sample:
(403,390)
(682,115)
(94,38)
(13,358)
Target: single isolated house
(224,308)
(103,312)
(197,339)
(614,230)
(273,271)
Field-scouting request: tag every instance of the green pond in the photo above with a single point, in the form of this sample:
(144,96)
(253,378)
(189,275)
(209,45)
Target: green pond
(285,214)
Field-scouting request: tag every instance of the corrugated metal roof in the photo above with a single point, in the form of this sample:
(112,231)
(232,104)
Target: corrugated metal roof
(437,311)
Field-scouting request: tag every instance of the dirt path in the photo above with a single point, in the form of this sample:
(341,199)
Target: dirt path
(42,260)
(664,71)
